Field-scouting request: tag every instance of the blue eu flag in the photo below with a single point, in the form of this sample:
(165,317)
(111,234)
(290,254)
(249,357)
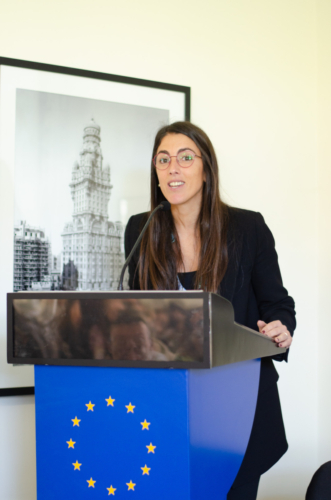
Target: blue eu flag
(111,433)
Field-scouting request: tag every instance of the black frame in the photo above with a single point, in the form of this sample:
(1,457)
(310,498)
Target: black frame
(7,61)
(206,363)
(17,391)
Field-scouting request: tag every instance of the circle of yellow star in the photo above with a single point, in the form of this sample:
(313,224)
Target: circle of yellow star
(71,443)
(75,421)
(111,489)
(89,406)
(110,402)
(130,485)
(130,408)
(90,482)
(145,470)
(145,425)
(150,448)
(76,465)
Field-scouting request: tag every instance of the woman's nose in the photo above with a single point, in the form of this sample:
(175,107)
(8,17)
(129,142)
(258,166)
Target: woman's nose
(174,167)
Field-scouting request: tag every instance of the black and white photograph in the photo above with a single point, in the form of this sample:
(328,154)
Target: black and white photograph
(81,169)
(75,154)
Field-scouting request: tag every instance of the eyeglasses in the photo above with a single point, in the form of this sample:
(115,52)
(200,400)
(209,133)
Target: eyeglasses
(184,159)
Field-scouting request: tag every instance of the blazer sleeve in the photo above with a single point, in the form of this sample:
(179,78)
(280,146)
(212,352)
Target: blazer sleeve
(273,301)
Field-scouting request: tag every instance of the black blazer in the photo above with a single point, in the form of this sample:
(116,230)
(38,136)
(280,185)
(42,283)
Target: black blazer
(253,284)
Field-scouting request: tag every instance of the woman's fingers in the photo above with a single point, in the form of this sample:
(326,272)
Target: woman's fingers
(274,329)
(284,339)
(277,331)
(261,324)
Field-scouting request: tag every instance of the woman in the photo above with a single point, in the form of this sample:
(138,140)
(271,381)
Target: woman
(202,243)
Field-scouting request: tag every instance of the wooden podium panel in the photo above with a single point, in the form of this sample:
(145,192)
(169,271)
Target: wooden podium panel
(152,329)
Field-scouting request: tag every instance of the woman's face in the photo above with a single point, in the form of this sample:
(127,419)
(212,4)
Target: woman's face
(180,185)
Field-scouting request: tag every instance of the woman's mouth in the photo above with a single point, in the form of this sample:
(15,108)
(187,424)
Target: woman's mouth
(176,184)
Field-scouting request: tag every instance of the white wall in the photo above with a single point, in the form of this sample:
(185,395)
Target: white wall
(17,448)
(324,212)
(260,77)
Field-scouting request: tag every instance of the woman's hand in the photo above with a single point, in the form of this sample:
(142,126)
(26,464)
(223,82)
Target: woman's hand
(277,331)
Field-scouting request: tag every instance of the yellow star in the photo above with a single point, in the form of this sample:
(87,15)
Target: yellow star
(145,425)
(130,485)
(145,470)
(111,489)
(75,421)
(130,408)
(150,448)
(90,482)
(110,402)
(76,465)
(89,406)
(71,443)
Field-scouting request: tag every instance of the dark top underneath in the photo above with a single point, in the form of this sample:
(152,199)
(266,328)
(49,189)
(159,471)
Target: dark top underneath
(187,279)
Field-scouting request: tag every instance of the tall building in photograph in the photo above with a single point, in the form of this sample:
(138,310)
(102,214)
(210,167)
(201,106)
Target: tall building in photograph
(92,255)
(31,256)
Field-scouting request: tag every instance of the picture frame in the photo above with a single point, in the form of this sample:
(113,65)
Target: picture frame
(41,118)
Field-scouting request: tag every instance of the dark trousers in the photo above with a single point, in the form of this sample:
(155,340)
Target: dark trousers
(245,492)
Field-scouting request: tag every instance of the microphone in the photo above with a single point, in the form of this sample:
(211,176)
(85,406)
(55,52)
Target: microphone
(164,205)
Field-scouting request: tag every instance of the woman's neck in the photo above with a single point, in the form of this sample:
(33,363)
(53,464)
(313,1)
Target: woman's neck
(185,217)
(185,220)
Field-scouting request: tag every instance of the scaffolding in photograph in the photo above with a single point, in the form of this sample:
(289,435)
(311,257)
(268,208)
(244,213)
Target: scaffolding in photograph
(31,256)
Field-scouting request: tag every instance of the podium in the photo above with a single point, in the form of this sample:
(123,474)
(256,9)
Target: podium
(149,395)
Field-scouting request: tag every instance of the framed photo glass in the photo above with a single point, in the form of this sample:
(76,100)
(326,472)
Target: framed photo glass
(75,156)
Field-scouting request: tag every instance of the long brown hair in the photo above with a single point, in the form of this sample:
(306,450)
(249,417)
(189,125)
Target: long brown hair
(160,253)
